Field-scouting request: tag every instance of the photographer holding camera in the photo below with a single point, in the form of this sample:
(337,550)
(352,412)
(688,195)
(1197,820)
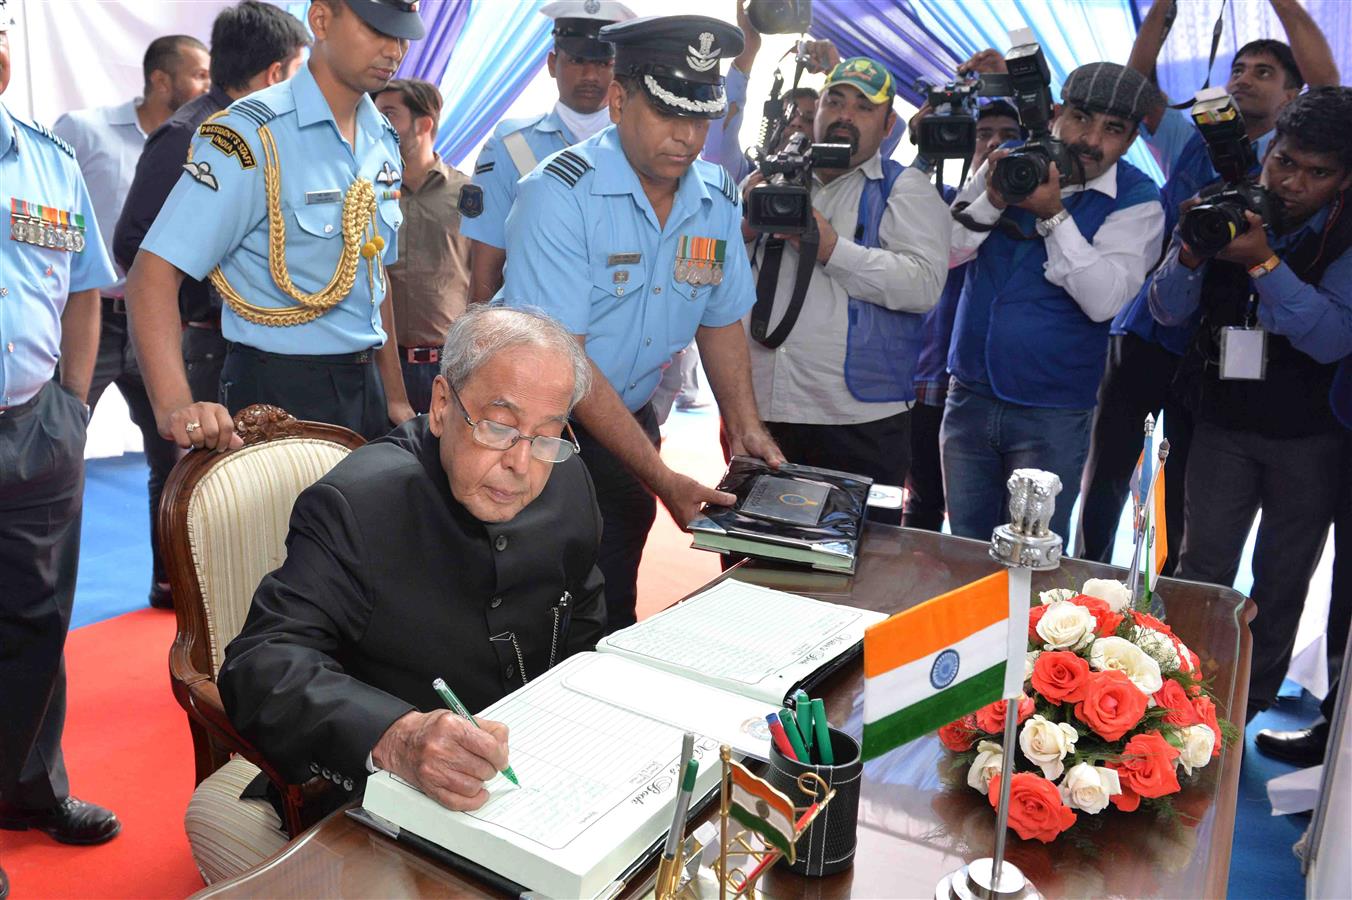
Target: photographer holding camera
(1143,356)
(1061,233)
(836,390)
(1275,318)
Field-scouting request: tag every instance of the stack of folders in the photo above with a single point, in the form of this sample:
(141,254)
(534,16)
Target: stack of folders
(596,741)
(795,513)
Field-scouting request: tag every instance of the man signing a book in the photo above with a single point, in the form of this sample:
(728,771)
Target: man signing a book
(462,545)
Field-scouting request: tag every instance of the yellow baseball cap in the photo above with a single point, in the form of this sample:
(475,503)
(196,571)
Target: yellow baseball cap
(868,75)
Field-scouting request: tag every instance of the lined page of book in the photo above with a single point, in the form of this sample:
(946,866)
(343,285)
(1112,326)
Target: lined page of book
(598,780)
(744,638)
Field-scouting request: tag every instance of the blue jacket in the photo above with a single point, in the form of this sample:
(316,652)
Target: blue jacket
(1024,336)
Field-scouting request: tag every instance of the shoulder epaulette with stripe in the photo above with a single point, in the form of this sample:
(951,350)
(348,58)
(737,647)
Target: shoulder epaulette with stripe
(51,136)
(726,187)
(568,167)
(481,168)
(390,129)
(255,111)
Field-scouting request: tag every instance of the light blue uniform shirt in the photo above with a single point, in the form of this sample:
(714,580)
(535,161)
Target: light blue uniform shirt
(584,245)
(108,141)
(203,225)
(35,282)
(496,174)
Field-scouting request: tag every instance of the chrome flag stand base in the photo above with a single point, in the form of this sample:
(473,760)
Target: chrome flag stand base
(974,882)
(1025,545)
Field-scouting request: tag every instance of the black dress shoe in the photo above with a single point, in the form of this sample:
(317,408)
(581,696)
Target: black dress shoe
(1304,748)
(160,596)
(71,821)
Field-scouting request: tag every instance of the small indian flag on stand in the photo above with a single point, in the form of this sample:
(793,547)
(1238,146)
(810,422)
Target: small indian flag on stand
(756,805)
(934,663)
(1156,534)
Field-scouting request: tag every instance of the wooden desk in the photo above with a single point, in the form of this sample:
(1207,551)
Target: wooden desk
(912,830)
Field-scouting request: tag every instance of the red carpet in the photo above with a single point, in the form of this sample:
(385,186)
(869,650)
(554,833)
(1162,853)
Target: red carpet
(127,743)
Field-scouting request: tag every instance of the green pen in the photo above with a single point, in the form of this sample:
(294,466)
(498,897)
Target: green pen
(801,715)
(791,731)
(454,705)
(820,724)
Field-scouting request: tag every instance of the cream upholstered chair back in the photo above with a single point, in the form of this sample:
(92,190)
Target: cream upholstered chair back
(237,524)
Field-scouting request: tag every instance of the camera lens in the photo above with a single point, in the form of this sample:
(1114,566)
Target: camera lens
(1018,175)
(782,206)
(1209,227)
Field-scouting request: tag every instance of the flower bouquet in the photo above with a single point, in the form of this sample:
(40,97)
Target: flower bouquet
(1113,707)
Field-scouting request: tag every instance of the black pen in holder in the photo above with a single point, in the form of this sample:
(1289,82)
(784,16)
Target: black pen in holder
(828,844)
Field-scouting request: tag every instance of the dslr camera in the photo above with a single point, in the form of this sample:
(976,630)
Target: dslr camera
(1020,173)
(1208,227)
(782,204)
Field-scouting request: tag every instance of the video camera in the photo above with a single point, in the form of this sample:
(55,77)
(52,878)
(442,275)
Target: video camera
(780,16)
(950,131)
(1020,173)
(782,204)
(1208,227)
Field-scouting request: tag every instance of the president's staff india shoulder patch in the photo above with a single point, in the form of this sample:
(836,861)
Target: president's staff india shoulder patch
(228,141)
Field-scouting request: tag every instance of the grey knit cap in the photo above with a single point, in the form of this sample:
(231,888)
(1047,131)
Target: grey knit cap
(1111,88)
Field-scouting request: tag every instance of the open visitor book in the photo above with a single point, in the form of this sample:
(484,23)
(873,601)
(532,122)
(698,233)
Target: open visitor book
(595,742)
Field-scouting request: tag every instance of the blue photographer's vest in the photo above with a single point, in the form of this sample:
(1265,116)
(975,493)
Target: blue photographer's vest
(1021,334)
(883,344)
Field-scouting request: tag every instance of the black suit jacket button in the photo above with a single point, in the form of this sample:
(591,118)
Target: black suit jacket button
(501,542)
(347,784)
(314,768)
(511,672)
(497,601)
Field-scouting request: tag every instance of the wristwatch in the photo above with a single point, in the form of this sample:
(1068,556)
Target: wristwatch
(1047,226)
(1265,266)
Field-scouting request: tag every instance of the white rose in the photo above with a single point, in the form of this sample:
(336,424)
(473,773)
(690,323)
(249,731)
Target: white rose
(1158,645)
(1114,592)
(1049,597)
(1133,662)
(1046,743)
(1030,660)
(990,760)
(1198,743)
(1088,788)
(1065,626)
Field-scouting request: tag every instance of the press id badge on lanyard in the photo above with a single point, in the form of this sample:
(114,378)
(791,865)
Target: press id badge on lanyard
(1244,348)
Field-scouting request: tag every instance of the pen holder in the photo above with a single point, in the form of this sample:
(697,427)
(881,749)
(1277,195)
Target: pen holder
(828,844)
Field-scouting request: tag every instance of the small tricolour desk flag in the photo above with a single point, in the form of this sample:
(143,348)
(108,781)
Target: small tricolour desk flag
(755,804)
(936,662)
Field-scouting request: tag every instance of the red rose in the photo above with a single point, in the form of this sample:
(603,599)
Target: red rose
(1175,699)
(1126,800)
(960,735)
(1149,621)
(1035,807)
(1147,765)
(1110,704)
(991,717)
(1206,715)
(1034,616)
(1107,620)
(1060,675)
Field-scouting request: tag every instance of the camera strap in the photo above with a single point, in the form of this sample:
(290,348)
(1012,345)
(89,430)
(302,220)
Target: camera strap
(768,281)
(1215,45)
(1005,225)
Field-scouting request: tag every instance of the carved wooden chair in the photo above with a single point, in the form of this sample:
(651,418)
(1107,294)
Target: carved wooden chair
(223,525)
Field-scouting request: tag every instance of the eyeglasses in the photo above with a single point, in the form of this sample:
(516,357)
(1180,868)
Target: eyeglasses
(496,436)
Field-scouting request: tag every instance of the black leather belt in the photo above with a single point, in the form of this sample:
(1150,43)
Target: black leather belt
(114,306)
(360,358)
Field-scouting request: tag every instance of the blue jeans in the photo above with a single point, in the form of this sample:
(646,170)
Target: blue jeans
(984,439)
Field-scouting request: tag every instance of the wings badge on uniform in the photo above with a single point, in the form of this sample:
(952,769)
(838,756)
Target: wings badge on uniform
(471,203)
(201,173)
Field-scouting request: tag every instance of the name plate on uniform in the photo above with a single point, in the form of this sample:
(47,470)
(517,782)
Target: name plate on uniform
(623,259)
(333,196)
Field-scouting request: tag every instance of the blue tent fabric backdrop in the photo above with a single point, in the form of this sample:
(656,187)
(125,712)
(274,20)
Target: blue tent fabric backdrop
(444,20)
